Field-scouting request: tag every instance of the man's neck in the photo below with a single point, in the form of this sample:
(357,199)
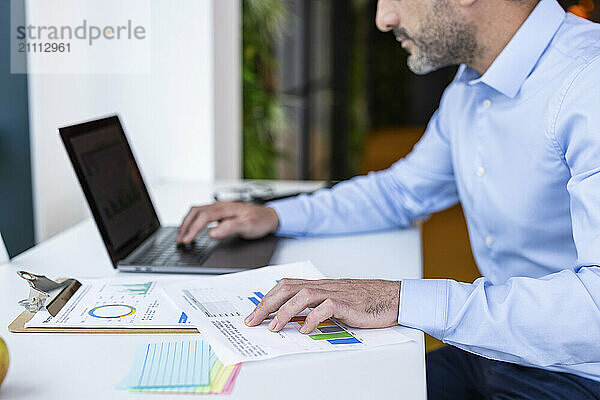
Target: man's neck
(497,23)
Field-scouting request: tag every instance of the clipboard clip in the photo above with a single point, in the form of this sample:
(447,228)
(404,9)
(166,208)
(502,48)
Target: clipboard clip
(44,293)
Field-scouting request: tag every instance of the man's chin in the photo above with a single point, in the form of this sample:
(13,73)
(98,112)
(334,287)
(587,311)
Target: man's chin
(419,65)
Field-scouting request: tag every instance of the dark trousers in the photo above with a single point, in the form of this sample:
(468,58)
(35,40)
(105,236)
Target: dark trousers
(456,374)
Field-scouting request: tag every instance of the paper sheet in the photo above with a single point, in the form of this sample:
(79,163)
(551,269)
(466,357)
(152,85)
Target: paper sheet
(163,365)
(218,306)
(115,303)
(221,378)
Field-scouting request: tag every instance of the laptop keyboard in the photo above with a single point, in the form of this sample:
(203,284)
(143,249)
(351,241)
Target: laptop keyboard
(167,252)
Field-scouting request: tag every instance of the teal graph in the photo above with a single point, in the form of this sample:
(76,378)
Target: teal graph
(140,289)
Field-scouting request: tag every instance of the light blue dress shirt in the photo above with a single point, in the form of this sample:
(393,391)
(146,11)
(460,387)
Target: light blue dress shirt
(519,147)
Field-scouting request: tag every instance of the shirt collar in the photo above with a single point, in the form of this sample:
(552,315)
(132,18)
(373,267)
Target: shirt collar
(513,65)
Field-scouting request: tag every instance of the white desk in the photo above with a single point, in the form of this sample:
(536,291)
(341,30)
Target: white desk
(75,366)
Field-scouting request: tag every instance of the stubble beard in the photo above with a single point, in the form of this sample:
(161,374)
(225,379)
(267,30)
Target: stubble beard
(444,39)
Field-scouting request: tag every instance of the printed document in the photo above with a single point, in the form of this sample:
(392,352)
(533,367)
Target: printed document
(115,303)
(218,306)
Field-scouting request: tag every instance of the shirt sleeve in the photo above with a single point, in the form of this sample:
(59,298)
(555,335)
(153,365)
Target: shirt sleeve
(415,186)
(550,321)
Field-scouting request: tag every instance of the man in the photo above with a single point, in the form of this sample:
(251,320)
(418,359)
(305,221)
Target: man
(516,140)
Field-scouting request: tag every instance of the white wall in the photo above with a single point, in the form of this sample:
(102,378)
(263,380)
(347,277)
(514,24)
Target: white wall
(227,75)
(169,115)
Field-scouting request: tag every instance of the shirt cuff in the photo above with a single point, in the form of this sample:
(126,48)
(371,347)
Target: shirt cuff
(424,305)
(291,214)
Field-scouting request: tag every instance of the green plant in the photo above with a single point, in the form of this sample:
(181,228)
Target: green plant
(263,116)
(357,83)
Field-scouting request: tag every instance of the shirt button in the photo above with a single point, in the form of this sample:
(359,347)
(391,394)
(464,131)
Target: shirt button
(487,103)
(489,240)
(480,171)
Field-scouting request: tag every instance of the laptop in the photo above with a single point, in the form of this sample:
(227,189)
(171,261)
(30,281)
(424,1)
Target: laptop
(126,218)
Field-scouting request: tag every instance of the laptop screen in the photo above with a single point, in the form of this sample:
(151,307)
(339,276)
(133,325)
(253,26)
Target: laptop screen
(113,185)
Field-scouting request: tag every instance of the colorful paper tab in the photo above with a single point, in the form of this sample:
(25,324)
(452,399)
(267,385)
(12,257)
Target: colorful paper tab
(179,367)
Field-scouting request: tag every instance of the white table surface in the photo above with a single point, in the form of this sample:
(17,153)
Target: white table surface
(88,366)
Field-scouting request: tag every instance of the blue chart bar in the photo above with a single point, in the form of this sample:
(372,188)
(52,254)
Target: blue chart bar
(254,300)
(259,294)
(351,340)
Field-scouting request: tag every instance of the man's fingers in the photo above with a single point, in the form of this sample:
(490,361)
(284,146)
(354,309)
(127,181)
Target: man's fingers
(359,303)
(282,292)
(207,215)
(306,297)
(251,221)
(319,314)
(196,227)
(185,225)
(225,228)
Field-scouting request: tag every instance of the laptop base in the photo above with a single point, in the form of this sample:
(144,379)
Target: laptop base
(232,254)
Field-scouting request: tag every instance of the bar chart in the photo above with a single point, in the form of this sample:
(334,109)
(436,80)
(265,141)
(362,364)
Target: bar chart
(211,303)
(327,330)
(256,298)
(330,331)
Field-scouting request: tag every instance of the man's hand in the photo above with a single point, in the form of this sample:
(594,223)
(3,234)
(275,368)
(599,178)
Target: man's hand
(248,220)
(357,303)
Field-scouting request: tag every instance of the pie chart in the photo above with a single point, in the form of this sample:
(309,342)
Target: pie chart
(109,311)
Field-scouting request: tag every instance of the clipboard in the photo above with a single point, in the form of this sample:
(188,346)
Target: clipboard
(45,293)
